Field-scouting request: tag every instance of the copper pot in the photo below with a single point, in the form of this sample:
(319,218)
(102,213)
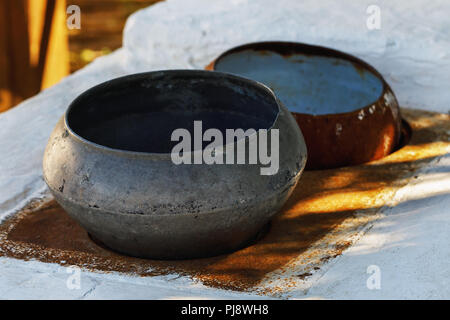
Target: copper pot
(347,112)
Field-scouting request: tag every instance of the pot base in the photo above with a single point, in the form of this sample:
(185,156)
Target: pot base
(251,241)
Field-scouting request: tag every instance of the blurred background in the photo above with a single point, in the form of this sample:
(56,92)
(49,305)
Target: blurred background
(37,48)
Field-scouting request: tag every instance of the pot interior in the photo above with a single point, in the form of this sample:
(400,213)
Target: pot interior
(140,112)
(306,83)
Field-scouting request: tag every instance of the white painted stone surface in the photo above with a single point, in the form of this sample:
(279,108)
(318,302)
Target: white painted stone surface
(411,49)
(410,245)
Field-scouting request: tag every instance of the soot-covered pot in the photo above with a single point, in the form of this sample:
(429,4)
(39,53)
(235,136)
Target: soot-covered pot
(109,163)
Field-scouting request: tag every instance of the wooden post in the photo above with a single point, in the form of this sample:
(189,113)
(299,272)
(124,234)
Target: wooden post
(33,48)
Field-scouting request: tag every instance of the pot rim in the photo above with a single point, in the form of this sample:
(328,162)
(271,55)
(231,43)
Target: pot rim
(158,155)
(290,47)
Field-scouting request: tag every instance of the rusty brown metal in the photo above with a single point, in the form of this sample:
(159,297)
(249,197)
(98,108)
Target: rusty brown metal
(335,139)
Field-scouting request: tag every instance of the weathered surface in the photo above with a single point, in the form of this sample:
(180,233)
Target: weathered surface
(411,52)
(328,211)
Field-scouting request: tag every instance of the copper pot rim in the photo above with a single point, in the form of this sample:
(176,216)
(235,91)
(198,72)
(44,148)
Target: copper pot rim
(287,48)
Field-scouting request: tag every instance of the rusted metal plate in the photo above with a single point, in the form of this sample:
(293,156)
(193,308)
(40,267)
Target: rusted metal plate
(325,214)
(347,112)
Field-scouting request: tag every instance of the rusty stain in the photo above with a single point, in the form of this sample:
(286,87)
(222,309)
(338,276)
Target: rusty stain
(360,69)
(317,223)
